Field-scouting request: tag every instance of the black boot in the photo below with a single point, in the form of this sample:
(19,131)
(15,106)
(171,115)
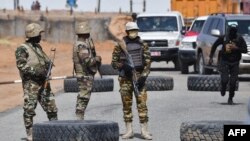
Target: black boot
(223,90)
(230,101)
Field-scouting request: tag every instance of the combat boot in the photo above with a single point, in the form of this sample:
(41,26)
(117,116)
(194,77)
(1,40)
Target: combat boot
(29,134)
(230,101)
(144,131)
(79,115)
(129,131)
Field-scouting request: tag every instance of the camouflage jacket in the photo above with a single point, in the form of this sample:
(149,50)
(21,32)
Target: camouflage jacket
(117,59)
(29,59)
(84,62)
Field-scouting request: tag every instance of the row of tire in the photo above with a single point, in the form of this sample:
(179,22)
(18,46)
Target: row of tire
(98,130)
(153,83)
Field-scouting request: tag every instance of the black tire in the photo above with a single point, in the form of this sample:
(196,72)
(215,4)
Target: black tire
(184,68)
(100,85)
(176,64)
(204,130)
(107,69)
(76,130)
(205,83)
(159,83)
(201,66)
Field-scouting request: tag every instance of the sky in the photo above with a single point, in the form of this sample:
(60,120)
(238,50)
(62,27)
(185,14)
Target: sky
(90,5)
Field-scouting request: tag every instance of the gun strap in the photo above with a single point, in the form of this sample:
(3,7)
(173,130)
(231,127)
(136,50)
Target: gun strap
(123,46)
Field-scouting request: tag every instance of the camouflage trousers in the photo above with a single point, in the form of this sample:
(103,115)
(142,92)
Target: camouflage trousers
(85,87)
(32,95)
(126,90)
(229,74)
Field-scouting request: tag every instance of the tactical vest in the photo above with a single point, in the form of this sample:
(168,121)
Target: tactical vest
(79,48)
(136,52)
(36,57)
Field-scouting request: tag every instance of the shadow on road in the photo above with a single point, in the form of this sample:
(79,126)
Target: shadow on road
(225,103)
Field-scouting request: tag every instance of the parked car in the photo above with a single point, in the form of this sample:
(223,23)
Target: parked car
(187,48)
(205,40)
(162,32)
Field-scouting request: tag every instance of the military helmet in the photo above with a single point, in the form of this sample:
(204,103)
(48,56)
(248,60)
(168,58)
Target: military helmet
(83,28)
(33,30)
(131,26)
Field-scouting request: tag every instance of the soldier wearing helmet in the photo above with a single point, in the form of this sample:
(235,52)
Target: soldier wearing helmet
(138,49)
(85,66)
(233,45)
(32,63)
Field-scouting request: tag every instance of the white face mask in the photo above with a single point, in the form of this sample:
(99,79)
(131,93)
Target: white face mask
(132,34)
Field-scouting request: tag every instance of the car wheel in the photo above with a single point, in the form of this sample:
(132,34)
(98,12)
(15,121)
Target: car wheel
(206,83)
(184,68)
(76,130)
(204,130)
(176,64)
(100,85)
(201,66)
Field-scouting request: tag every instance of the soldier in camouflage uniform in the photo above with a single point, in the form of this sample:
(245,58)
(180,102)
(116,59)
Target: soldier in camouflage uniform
(142,61)
(85,66)
(33,63)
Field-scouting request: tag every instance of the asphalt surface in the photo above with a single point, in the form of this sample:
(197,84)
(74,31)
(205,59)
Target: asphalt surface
(167,109)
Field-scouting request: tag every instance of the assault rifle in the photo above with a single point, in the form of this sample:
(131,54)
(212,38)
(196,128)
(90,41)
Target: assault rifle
(93,52)
(131,64)
(51,64)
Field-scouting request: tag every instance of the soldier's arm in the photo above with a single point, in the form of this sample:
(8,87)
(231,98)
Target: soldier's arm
(215,45)
(76,60)
(21,62)
(242,45)
(116,57)
(147,60)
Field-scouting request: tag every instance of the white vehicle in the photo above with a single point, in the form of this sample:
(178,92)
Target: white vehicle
(186,52)
(162,32)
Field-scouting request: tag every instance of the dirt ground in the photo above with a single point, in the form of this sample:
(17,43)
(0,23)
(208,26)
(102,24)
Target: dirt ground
(11,94)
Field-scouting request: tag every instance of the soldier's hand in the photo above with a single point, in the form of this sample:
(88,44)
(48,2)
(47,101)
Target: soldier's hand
(228,48)
(141,82)
(98,59)
(40,72)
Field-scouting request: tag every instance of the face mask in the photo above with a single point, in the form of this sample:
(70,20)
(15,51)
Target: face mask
(132,34)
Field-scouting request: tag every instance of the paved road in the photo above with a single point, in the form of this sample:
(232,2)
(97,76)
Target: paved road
(167,109)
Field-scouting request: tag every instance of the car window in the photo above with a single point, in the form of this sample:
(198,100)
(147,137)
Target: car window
(161,23)
(243,26)
(220,26)
(214,24)
(207,25)
(197,26)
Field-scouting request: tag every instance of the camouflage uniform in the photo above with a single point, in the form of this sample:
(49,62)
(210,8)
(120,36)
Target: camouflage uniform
(126,88)
(32,63)
(85,68)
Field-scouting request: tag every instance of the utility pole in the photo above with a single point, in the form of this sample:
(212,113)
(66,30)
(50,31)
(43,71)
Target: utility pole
(98,6)
(144,6)
(131,6)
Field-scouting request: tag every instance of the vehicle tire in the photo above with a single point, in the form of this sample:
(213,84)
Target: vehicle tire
(159,83)
(204,130)
(107,69)
(76,130)
(206,83)
(176,64)
(184,68)
(201,66)
(100,85)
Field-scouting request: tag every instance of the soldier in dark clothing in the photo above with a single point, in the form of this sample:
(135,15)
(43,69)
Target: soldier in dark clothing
(233,45)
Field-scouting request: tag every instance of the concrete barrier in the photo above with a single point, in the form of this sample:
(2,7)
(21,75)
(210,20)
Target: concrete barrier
(56,29)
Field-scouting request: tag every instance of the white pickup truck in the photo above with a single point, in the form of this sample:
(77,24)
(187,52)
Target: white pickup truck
(162,32)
